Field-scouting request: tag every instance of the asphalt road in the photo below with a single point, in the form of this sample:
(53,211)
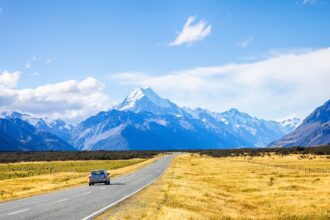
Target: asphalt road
(84,202)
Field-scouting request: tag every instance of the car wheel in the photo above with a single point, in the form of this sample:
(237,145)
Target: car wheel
(89,184)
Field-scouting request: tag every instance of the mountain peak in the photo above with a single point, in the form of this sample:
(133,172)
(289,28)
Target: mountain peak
(291,122)
(144,99)
(320,114)
(313,131)
(139,93)
(23,116)
(233,111)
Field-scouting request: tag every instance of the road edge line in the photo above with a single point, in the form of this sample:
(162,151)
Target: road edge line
(125,197)
(59,190)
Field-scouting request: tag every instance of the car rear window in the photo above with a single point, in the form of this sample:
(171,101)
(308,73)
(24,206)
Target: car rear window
(98,172)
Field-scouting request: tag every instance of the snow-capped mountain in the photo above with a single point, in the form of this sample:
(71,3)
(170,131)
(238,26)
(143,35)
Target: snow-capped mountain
(291,123)
(313,131)
(146,100)
(19,135)
(257,132)
(126,130)
(144,119)
(58,127)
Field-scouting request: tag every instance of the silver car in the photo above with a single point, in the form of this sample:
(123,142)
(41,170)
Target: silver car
(99,176)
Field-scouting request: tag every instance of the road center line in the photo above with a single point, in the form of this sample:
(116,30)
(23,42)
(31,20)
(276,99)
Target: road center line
(61,200)
(102,188)
(86,193)
(24,210)
(127,196)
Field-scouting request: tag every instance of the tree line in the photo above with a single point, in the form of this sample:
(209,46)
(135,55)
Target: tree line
(318,150)
(10,157)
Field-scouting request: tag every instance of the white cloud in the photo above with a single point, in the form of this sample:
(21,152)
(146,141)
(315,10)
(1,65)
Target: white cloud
(308,2)
(9,80)
(48,61)
(71,100)
(243,44)
(271,88)
(192,32)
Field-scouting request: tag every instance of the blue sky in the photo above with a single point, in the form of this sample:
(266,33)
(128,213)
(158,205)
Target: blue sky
(120,45)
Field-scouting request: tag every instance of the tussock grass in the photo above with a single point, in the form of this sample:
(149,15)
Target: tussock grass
(202,187)
(19,180)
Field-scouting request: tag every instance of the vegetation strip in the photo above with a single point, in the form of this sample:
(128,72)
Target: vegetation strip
(11,157)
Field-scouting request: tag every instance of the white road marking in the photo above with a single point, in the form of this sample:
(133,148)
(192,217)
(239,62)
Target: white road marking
(42,195)
(122,199)
(61,200)
(102,188)
(24,210)
(86,193)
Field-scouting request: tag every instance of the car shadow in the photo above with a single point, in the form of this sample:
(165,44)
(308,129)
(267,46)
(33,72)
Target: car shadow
(117,183)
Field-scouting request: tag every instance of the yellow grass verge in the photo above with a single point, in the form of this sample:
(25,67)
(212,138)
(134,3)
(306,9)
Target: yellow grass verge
(28,186)
(196,187)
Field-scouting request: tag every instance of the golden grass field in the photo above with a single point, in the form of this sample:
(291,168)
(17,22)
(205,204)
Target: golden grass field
(201,187)
(23,179)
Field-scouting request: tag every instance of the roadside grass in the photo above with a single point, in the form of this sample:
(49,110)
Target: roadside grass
(24,179)
(319,163)
(203,187)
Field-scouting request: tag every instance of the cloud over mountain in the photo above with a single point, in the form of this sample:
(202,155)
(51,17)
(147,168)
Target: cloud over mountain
(71,99)
(277,86)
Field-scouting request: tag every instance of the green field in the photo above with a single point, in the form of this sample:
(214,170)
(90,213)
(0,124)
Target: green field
(27,169)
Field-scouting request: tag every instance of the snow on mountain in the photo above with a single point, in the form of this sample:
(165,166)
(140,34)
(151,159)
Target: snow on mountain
(19,135)
(291,123)
(313,131)
(57,127)
(159,121)
(25,117)
(257,132)
(123,130)
(144,120)
(146,100)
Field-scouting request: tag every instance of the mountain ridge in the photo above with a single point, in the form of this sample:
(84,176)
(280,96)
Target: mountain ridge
(314,130)
(19,135)
(143,105)
(144,120)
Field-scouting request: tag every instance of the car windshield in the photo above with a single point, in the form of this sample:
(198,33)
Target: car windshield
(97,172)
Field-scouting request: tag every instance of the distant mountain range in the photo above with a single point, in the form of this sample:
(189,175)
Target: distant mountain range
(314,130)
(20,132)
(144,120)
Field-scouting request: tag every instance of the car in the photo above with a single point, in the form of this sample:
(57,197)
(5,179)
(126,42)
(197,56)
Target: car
(99,176)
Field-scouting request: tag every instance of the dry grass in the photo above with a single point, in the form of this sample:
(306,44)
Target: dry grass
(66,174)
(196,187)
